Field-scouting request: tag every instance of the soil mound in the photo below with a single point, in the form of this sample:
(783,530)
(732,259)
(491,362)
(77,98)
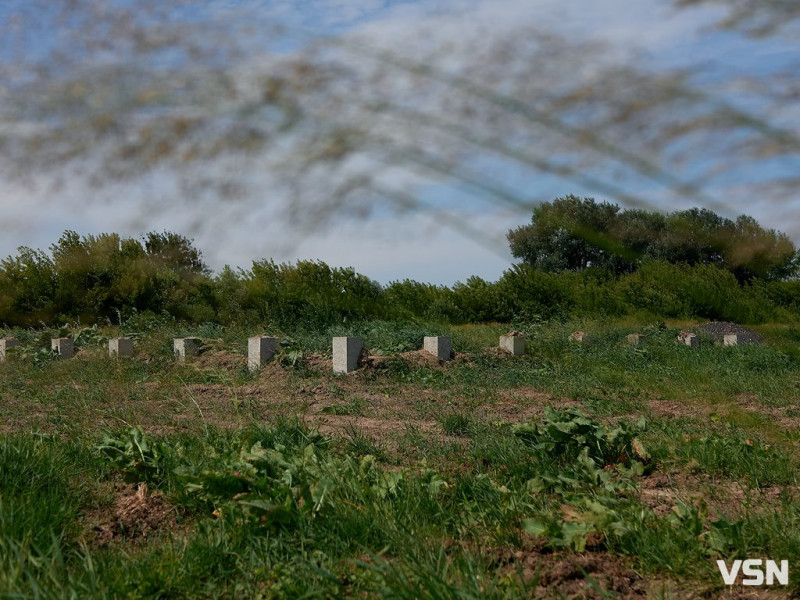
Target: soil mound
(719,329)
(136,513)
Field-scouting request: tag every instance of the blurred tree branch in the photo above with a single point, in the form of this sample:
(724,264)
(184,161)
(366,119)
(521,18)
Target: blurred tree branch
(332,126)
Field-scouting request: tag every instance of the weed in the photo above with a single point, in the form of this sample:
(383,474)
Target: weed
(564,435)
(134,454)
(353,407)
(362,444)
(456,423)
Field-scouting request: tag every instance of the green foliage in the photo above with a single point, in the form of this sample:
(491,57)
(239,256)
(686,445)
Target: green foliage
(92,278)
(109,279)
(282,511)
(41,481)
(533,294)
(309,294)
(735,455)
(285,511)
(564,435)
(290,355)
(459,423)
(134,454)
(571,234)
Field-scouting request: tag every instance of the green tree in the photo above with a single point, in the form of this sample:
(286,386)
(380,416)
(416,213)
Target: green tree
(27,287)
(309,293)
(175,252)
(569,234)
(96,277)
(572,234)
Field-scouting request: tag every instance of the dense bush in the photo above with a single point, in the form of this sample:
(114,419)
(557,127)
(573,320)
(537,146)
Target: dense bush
(97,277)
(106,278)
(573,234)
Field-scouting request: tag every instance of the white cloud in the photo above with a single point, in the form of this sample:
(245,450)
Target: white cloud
(406,246)
(391,245)
(646,25)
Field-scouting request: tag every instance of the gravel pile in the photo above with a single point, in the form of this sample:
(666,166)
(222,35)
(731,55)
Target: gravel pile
(719,329)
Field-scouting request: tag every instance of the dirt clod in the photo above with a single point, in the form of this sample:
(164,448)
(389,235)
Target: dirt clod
(136,513)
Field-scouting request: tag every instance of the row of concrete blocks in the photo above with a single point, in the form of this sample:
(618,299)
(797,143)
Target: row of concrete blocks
(260,349)
(686,338)
(347,350)
(65,347)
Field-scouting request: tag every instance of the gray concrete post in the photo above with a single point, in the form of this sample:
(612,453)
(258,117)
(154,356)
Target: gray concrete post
(515,344)
(6,344)
(730,339)
(120,347)
(346,351)
(64,347)
(438,346)
(259,350)
(186,348)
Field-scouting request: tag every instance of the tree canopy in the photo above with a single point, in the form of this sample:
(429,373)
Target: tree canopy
(572,233)
(96,276)
(138,282)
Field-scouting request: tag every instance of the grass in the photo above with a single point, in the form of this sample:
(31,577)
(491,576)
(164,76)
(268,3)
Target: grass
(411,480)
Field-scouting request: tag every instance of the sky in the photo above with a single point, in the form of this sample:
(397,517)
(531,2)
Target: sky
(385,243)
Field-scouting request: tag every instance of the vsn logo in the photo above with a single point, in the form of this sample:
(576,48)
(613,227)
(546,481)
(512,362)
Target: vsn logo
(753,574)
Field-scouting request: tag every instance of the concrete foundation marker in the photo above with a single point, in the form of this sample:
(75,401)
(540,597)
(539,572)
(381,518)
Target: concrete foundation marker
(120,347)
(64,347)
(6,344)
(259,350)
(730,339)
(513,342)
(346,351)
(186,348)
(438,346)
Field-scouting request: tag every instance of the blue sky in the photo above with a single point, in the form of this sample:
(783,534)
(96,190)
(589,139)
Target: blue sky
(423,245)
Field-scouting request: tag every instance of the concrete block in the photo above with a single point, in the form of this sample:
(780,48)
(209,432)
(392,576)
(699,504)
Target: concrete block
(513,343)
(689,339)
(186,348)
(346,352)
(121,347)
(730,339)
(7,344)
(64,347)
(579,337)
(438,346)
(259,350)
(635,339)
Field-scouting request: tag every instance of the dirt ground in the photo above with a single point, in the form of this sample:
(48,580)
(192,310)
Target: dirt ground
(134,514)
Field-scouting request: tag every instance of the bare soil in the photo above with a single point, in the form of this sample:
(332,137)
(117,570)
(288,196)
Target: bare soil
(662,490)
(135,514)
